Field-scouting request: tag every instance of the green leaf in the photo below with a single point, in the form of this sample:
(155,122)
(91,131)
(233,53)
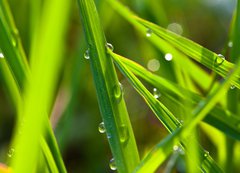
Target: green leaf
(109,92)
(161,44)
(40,86)
(218,117)
(11,44)
(168,120)
(211,60)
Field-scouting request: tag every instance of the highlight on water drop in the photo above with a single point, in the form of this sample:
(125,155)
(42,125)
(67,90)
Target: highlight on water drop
(1,55)
(219,60)
(156,93)
(87,54)
(230,44)
(206,153)
(112,164)
(175,148)
(168,56)
(101,127)
(15,37)
(110,46)
(149,32)
(11,152)
(118,92)
(124,133)
(232,87)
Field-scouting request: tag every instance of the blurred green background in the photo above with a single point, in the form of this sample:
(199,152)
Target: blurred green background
(76,115)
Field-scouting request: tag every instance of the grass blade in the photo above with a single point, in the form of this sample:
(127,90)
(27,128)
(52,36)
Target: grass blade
(211,60)
(219,118)
(199,113)
(11,44)
(233,94)
(15,84)
(164,46)
(41,85)
(110,96)
(168,119)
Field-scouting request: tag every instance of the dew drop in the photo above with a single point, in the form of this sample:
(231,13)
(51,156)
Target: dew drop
(112,164)
(230,44)
(124,134)
(175,148)
(101,127)
(168,56)
(110,46)
(176,28)
(206,153)
(219,60)
(232,87)
(11,152)
(178,149)
(1,55)
(118,92)
(153,65)
(156,93)
(15,37)
(109,136)
(149,32)
(87,54)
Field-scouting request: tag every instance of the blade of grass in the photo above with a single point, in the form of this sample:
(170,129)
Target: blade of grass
(11,85)
(16,97)
(41,83)
(110,96)
(164,46)
(219,118)
(15,86)
(11,44)
(202,55)
(199,113)
(48,156)
(165,116)
(233,94)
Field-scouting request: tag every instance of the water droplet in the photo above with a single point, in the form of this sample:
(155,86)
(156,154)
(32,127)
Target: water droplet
(101,127)
(149,32)
(109,135)
(124,134)
(232,87)
(112,164)
(110,46)
(175,148)
(11,152)
(156,93)
(219,60)
(87,54)
(118,92)
(153,65)
(168,56)
(15,37)
(206,153)
(1,55)
(176,28)
(178,149)
(230,44)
